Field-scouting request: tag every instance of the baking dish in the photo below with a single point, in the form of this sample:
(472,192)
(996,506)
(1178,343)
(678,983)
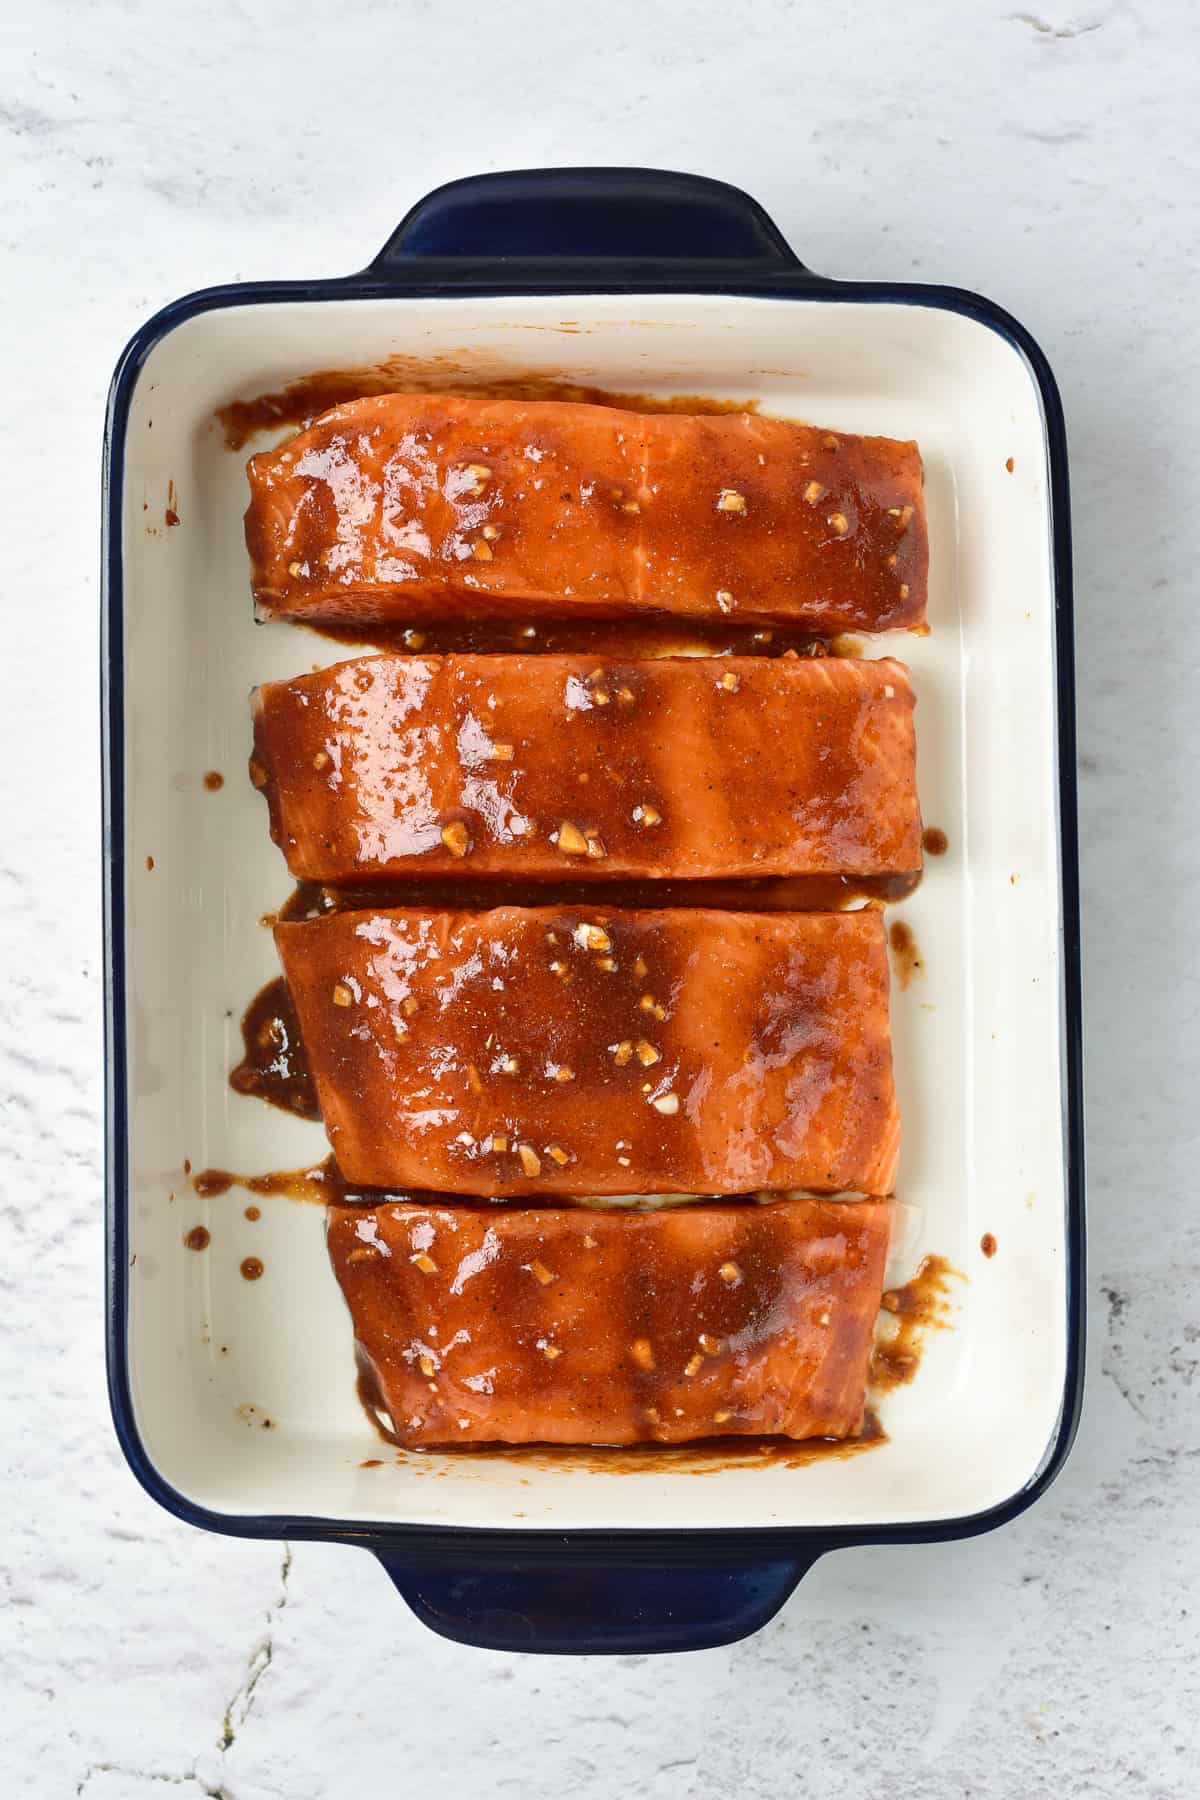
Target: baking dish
(235,1403)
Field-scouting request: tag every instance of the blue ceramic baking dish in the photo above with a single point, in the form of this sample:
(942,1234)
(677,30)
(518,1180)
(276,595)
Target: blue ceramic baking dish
(235,1406)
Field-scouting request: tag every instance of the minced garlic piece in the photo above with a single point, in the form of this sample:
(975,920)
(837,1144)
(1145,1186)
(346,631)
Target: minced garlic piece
(571,840)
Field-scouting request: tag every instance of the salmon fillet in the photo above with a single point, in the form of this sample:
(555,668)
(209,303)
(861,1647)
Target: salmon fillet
(410,506)
(551,766)
(579,1050)
(576,1326)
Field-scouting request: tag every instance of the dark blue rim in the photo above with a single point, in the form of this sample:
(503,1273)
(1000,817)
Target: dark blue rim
(580,231)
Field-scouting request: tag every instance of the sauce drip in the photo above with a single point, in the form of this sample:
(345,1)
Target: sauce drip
(935,841)
(274,1066)
(321,1183)
(920,1306)
(905,953)
(302,400)
(198,1238)
(214,780)
(252,1270)
(987,1244)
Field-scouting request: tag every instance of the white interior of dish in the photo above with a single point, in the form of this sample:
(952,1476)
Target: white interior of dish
(977,1036)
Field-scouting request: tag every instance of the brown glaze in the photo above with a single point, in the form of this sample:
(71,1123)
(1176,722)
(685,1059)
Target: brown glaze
(324,1185)
(553,766)
(304,400)
(371,1462)
(906,957)
(198,1238)
(934,841)
(987,1244)
(544,1050)
(149,864)
(625,639)
(594,1327)
(403,507)
(795,893)
(214,780)
(918,1307)
(1009,465)
(274,1066)
(253,1213)
(252,1268)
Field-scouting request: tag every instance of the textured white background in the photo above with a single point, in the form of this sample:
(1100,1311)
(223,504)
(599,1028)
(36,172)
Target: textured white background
(1046,158)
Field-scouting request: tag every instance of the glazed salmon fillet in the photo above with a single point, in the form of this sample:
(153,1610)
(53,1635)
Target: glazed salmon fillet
(583,1050)
(582,1326)
(403,507)
(553,767)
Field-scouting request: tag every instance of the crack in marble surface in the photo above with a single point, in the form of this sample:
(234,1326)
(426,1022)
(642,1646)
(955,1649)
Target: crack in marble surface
(238,1709)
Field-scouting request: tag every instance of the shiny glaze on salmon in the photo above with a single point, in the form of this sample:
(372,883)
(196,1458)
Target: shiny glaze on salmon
(591,1327)
(412,506)
(588,1051)
(558,766)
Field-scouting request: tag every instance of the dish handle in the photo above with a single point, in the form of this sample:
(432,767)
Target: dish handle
(609,1606)
(623,222)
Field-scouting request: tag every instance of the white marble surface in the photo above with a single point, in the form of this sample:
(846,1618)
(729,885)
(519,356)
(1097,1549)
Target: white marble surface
(1043,157)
